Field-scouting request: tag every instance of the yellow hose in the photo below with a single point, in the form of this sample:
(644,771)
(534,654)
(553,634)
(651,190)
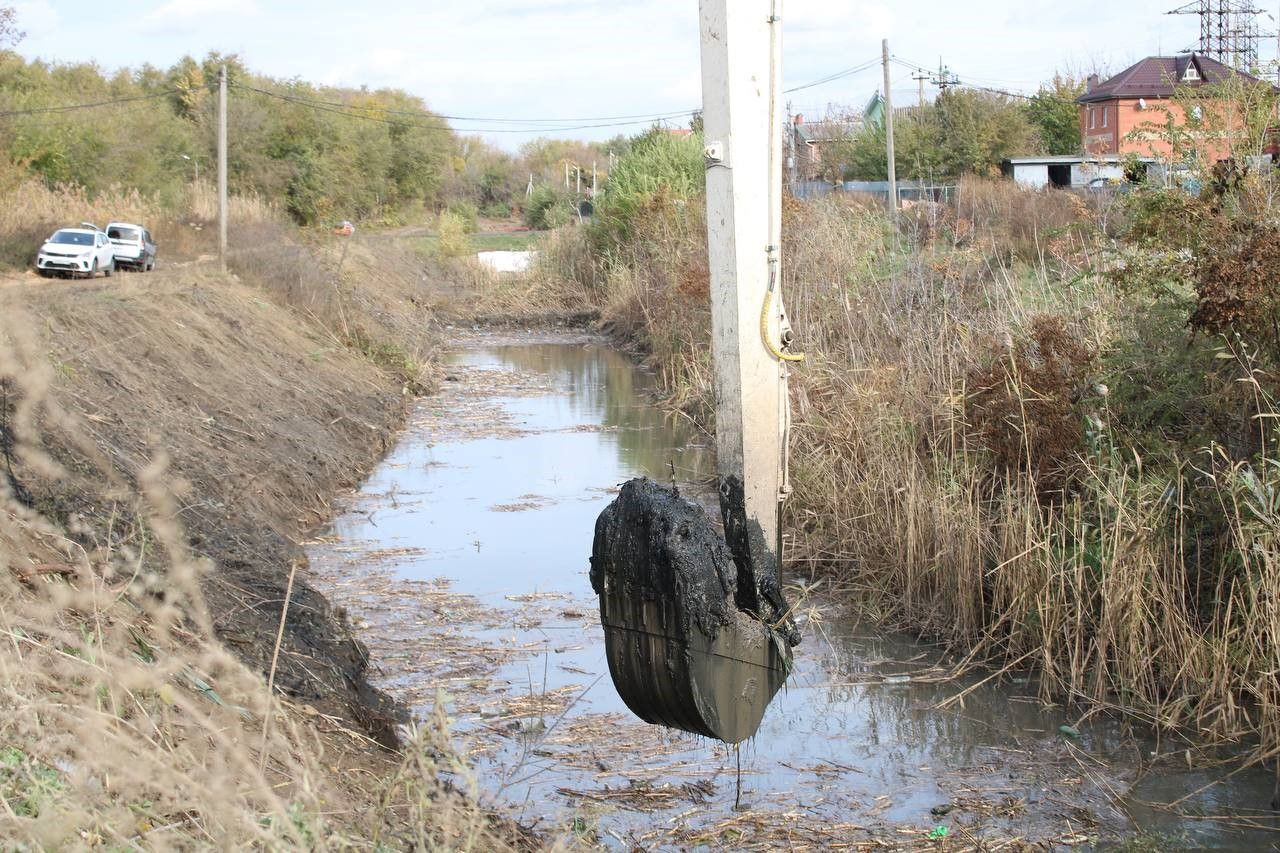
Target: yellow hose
(764,332)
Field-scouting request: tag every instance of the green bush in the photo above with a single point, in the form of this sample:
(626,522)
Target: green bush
(658,164)
(318,163)
(496,210)
(452,232)
(548,208)
(466,211)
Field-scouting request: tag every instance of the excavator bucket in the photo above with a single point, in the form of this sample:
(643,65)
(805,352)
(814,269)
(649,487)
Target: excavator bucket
(693,641)
(696,629)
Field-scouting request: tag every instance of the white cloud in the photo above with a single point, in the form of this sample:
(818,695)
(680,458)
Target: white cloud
(191,15)
(579,58)
(36,17)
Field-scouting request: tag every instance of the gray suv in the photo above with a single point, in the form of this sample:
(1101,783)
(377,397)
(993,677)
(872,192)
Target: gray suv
(133,246)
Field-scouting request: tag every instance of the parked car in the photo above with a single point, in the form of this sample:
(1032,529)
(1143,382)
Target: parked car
(1108,185)
(133,246)
(83,251)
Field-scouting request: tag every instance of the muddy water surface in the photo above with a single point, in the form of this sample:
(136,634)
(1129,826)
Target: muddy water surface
(463,562)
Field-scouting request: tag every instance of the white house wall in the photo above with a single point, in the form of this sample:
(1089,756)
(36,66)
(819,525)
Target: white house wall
(1034,175)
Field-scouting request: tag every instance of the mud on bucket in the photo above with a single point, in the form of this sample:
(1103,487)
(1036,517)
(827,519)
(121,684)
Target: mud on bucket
(695,640)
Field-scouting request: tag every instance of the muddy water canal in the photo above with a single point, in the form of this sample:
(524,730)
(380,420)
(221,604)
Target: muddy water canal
(463,564)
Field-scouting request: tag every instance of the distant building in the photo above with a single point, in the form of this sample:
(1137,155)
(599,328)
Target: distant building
(813,146)
(1123,115)
(1068,172)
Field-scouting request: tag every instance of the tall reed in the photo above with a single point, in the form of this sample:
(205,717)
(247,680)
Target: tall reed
(958,464)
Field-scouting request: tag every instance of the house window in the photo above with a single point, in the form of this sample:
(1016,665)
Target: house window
(1192,73)
(1093,118)
(1104,116)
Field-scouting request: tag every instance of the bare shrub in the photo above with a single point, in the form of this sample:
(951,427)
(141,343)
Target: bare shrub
(1015,221)
(1238,286)
(1022,407)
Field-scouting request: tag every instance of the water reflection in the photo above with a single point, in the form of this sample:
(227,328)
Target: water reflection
(507,507)
(600,385)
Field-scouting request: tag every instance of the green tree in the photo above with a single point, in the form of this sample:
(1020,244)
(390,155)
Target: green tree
(965,131)
(320,153)
(975,130)
(1056,115)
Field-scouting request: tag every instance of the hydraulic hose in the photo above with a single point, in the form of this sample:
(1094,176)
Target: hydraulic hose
(774,350)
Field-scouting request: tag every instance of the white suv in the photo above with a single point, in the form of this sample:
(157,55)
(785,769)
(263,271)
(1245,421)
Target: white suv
(133,246)
(83,251)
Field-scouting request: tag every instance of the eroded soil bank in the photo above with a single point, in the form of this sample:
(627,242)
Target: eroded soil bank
(463,563)
(249,413)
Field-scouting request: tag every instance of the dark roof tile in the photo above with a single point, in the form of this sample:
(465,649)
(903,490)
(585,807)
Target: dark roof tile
(1158,76)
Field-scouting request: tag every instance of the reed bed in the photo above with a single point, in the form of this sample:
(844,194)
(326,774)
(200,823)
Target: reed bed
(967,460)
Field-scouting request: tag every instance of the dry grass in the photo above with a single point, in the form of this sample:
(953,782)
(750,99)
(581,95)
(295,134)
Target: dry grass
(30,211)
(126,723)
(957,466)
(164,441)
(202,206)
(465,291)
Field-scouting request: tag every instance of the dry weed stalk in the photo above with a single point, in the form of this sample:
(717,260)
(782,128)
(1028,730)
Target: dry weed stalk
(124,721)
(1072,555)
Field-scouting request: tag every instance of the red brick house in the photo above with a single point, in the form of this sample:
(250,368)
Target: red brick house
(1123,115)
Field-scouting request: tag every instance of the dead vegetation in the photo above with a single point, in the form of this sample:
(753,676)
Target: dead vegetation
(169,678)
(982,455)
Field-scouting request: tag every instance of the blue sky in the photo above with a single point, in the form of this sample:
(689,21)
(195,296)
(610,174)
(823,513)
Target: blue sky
(587,58)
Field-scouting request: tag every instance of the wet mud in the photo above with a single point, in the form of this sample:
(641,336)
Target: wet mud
(463,565)
(686,643)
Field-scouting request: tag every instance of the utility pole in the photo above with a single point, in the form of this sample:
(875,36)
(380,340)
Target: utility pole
(740,49)
(888,131)
(945,79)
(920,77)
(742,107)
(222,168)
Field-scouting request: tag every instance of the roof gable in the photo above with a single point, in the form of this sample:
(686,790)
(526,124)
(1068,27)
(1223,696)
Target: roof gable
(1159,76)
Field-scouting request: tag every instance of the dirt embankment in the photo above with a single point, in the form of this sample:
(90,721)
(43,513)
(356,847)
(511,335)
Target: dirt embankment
(261,413)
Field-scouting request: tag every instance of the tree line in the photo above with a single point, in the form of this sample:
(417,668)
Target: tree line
(966,131)
(320,153)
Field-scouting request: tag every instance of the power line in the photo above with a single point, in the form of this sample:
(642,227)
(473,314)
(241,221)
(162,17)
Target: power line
(848,72)
(537,125)
(421,113)
(528,125)
(353,111)
(58,119)
(1229,30)
(94,105)
(946,78)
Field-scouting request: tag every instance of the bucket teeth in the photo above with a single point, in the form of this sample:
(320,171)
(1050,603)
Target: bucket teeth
(680,652)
